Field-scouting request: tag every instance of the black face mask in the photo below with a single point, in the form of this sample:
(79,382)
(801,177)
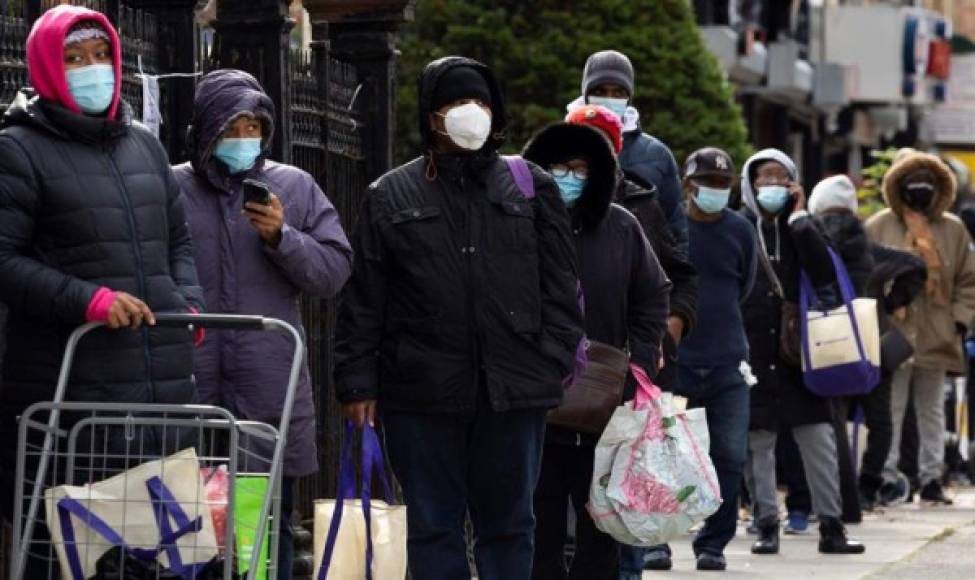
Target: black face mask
(918,196)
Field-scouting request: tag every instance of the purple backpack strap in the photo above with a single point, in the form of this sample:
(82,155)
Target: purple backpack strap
(522,174)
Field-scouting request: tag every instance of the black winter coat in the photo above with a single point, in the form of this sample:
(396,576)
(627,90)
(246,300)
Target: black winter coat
(847,236)
(459,282)
(626,291)
(780,398)
(892,277)
(86,203)
(645,205)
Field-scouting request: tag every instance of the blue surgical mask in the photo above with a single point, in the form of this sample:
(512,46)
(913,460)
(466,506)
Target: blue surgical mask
(238,154)
(571,188)
(92,87)
(710,200)
(617,106)
(773,198)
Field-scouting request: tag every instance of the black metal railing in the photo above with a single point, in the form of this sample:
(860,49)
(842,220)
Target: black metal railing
(326,141)
(13,53)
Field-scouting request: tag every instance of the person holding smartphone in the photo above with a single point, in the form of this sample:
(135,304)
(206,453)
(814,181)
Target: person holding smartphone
(788,242)
(264,235)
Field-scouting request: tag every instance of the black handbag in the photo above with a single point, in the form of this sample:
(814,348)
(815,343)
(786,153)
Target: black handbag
(895,350)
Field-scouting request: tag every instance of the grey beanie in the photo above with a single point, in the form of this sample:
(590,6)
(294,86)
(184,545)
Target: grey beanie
(607,66)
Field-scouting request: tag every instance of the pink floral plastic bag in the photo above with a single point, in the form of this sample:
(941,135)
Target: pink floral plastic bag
(653,478)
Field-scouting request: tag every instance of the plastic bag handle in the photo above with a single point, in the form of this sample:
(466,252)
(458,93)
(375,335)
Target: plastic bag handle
(646,391)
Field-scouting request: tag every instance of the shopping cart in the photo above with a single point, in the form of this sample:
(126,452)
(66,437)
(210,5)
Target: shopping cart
(80,443)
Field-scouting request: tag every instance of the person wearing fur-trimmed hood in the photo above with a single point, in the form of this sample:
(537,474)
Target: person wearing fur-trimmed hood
(919,188)
(626,306)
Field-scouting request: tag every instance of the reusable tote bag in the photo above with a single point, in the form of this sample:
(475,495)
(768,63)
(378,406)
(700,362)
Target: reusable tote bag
(156,511)
(840,346)
(371,544)
(653,478)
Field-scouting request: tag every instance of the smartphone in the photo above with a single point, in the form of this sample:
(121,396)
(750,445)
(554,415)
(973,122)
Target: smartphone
(256,192)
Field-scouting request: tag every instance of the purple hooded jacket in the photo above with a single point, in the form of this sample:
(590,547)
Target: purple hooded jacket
(247,371)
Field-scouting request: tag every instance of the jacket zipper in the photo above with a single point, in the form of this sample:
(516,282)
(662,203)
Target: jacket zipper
(134,231)
(471,299)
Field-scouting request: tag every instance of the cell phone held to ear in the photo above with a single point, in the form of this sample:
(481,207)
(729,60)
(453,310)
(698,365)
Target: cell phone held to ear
(256,192)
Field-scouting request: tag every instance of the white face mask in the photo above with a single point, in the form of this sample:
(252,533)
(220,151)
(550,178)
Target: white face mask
(468,126)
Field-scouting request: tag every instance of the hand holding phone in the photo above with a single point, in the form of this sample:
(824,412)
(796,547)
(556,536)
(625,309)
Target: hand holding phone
(798,196)
(264,211)
(255,191)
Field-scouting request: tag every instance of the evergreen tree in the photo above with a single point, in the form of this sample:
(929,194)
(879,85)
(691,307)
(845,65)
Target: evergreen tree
(538,49)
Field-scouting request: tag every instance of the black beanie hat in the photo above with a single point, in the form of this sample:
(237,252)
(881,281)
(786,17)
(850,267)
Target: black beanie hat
(605,67)
(461,82)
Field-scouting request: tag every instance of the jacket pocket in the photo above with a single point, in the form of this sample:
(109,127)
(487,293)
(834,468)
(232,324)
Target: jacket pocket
(418,230)
(514,229)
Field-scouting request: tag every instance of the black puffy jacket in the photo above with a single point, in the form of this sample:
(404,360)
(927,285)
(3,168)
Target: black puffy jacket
(85,203)
(459,282)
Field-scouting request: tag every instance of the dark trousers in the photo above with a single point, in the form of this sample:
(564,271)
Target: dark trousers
(481,462)
(724,395)
(876,417)
(286,539)
(849,492)
(566,476)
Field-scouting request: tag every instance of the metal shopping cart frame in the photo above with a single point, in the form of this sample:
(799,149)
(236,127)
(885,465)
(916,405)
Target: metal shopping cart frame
(134,421)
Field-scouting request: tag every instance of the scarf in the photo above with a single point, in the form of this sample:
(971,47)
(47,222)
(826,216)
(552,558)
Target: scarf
(920,240)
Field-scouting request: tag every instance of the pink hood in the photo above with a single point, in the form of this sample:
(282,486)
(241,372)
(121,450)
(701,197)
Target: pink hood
(45,54)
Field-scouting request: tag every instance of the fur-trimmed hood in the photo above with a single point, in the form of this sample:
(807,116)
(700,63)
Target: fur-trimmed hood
(563,141)
(944,187)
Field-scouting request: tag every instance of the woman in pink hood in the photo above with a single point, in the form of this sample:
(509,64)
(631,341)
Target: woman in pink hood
(91,228)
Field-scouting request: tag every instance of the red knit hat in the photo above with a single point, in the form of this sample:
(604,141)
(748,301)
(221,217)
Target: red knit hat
(600,118)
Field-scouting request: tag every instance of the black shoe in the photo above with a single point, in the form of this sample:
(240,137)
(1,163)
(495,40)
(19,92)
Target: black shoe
(706,561)
(933,492)
(657,559)
(833,538)
(768,537)
(868,500)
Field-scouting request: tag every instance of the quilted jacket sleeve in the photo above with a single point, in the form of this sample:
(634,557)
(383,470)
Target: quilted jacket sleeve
(29,285)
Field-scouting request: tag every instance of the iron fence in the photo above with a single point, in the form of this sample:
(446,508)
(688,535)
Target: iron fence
(326,141)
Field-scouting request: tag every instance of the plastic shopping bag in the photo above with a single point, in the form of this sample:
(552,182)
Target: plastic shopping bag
(371,544)
(156,511)
(249,492)
(653,478)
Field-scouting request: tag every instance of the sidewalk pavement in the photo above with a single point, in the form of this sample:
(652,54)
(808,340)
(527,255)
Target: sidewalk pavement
(907,542)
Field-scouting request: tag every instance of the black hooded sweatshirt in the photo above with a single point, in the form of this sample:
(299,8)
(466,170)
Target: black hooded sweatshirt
(461,287)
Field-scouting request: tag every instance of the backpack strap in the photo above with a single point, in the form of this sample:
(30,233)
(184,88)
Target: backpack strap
(522,174)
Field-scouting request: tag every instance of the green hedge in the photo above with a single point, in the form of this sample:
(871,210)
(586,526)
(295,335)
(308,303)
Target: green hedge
(538,48)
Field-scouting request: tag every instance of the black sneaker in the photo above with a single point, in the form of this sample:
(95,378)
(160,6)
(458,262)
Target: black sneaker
(933,492)
(657,560)
(716,562)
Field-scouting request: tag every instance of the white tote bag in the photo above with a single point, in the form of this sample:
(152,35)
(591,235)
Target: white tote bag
(840,346)
(344,549)
(87,521)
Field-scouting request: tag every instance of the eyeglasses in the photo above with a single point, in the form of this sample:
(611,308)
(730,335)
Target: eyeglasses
(561,170)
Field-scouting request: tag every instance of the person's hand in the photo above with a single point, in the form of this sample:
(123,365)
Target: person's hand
(361,412)
(675,326)
(267,220)
(127,310)
(798,195)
